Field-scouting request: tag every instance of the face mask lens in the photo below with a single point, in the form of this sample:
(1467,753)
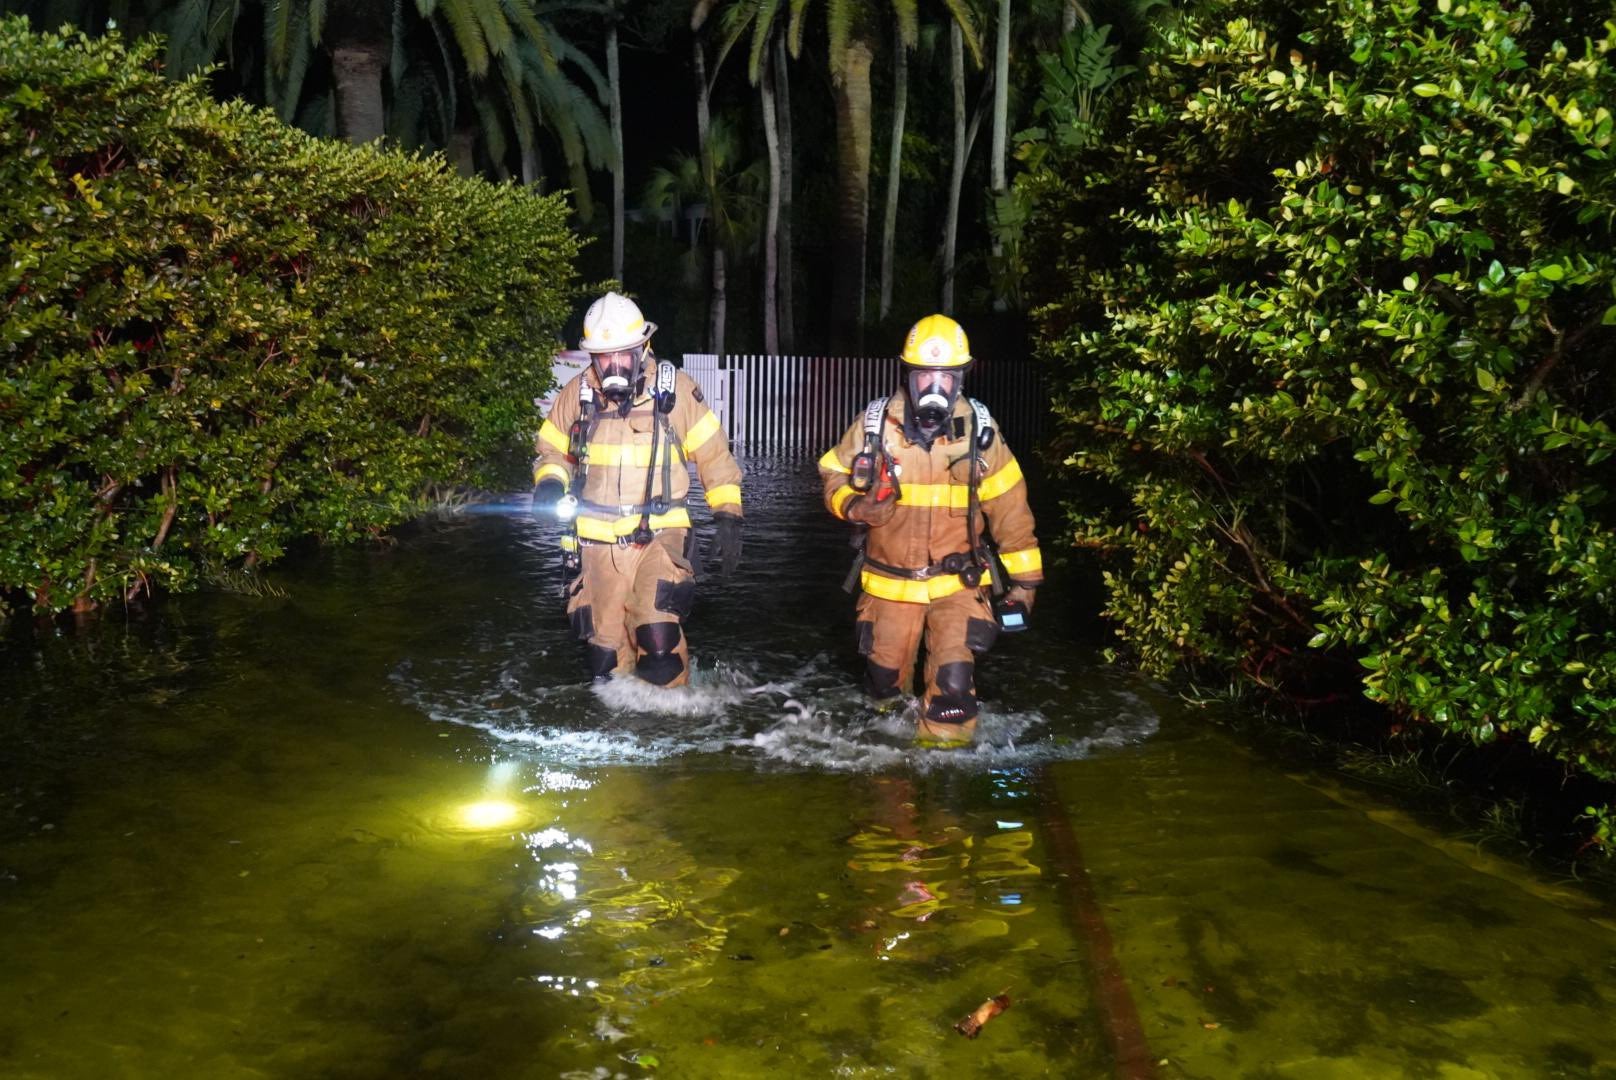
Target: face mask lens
(615,369)
(933,393)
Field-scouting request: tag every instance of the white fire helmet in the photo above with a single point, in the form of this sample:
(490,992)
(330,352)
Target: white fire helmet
(614,323)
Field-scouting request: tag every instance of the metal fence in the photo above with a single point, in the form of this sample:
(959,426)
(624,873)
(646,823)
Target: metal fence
(803,404)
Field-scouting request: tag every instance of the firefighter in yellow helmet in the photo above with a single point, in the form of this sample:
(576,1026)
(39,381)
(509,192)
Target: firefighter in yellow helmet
(927,477)
(612,461)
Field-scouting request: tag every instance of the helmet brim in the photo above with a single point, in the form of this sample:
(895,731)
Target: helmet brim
(645,336)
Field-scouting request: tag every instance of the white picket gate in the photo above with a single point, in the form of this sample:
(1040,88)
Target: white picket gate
(803,404)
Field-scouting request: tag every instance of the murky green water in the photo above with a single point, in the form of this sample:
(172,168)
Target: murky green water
(258,838)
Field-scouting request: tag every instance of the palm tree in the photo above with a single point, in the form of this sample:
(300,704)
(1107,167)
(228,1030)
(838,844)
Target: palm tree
(765,64)
(734,196)
(961,25)
(852,28)
(1001,120)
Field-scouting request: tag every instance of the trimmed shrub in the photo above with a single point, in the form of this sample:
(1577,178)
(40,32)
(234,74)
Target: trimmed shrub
(1333,300)
(220,334)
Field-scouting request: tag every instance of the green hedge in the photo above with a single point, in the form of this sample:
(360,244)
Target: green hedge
(1334,306)
(219,334)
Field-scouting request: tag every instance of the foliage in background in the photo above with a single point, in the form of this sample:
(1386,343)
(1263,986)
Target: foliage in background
(219,334)
(1334,303)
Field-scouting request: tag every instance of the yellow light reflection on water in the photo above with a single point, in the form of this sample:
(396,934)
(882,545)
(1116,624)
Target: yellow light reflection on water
(489,814)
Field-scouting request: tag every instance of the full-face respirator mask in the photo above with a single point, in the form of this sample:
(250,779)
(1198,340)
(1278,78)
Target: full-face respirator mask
(618,372)
(932,393)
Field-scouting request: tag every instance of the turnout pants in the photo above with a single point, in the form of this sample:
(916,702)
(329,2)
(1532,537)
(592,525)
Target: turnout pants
(954,629)
(628,602)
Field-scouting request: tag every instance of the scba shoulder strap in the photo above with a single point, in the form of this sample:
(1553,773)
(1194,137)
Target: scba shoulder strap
(875,414)
(984,424)
(664,392)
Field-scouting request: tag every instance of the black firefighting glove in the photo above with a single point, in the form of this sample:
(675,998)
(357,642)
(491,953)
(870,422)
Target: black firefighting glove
(876,508)
(546,494)
(1024,593)
(727,542)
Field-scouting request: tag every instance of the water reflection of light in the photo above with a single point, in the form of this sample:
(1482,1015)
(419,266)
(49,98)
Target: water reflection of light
(892,943)
(489,814)
(557,780)
(566,984)
(553,838)
(500,775)
(561,879)
(549,933)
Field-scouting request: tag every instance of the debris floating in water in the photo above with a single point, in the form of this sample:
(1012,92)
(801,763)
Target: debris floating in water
(971,1025)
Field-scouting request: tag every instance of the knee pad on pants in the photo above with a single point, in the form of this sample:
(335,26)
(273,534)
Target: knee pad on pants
(880,682)
(602,661)
(954,700)
(658,663)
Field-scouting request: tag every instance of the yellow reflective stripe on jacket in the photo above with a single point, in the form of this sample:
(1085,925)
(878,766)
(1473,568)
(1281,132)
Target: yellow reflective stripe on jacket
(839,500)
(550,470)
(724,495)
(913,592)
(833,463)
(610,529)
(1000,482)
(953,496)
(622,455)
(554,436)
(700,432)
(1030,561)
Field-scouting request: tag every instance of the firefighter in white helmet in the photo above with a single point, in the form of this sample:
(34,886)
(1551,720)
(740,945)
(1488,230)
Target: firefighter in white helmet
(925,474)
(611,459)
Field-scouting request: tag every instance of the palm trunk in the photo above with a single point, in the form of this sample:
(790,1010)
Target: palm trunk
(462,150)
(709,176)
(788,266)
(956,175)
(1001,120)
(1074,12)
(357,70)
(771,225)
(852,91)
(532,166)
(616,106)
(889,226)
(361,44)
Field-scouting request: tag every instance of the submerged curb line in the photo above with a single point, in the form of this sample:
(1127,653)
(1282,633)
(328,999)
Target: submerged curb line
(1123,1030)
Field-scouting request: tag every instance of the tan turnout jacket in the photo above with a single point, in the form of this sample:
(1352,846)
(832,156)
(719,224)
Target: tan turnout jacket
(619,454)
(931,516)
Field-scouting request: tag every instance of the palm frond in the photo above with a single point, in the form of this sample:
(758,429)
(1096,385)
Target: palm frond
(763,30)
(908,15)
(961,13)
(839,15)
(400,59)
(794,28)
(521,15)
(468,36)
(316,21)
(497,31)
(493,129)
(278,31)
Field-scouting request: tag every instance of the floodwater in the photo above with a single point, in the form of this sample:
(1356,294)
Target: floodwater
(379,827)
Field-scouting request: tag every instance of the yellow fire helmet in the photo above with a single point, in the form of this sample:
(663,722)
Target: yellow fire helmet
(937,342)
(614,324)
